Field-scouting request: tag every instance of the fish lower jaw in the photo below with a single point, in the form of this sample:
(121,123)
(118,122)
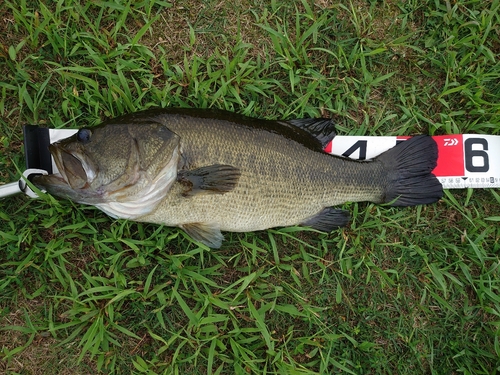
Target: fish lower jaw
(59,177)
(53,179)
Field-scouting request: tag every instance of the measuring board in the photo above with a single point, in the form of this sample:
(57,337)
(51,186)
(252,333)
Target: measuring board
(464,160)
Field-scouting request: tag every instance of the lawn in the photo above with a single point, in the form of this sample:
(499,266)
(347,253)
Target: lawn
(399,291)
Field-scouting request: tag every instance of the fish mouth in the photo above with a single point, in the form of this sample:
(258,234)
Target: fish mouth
(72,167)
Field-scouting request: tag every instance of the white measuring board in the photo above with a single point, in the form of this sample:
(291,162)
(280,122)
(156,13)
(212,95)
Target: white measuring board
(464,160)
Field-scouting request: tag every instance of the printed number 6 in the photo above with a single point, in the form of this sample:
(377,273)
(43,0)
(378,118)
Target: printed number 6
(470,153)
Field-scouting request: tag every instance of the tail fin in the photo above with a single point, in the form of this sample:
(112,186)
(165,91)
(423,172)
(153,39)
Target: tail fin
(409,165)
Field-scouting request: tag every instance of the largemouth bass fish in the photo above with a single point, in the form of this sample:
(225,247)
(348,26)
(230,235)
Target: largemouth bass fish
(209,171)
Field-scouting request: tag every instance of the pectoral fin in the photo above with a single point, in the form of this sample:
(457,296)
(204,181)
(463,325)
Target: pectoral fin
(214,179)
(204,233)
(328,219)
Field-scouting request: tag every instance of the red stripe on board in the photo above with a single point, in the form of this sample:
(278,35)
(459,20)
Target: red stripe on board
(451,155)
(329,147)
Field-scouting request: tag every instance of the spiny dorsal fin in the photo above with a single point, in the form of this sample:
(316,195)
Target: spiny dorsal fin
(323,129)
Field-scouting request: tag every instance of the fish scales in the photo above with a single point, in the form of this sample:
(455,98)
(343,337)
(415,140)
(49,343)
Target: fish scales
(282,182)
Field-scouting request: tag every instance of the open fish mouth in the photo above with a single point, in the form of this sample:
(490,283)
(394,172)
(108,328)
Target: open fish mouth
(72,167)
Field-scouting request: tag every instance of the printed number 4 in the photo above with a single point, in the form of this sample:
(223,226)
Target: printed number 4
(361,145)
(470,154)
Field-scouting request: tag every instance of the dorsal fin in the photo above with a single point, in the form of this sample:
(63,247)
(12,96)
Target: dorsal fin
(323,129)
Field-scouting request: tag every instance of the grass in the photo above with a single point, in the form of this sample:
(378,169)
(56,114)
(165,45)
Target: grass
(400,291)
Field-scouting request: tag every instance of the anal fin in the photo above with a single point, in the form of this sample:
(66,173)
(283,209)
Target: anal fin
(328,219)
(214,179)
(205,233)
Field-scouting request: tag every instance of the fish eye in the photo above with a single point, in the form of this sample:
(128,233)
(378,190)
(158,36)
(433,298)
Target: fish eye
(83,135)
